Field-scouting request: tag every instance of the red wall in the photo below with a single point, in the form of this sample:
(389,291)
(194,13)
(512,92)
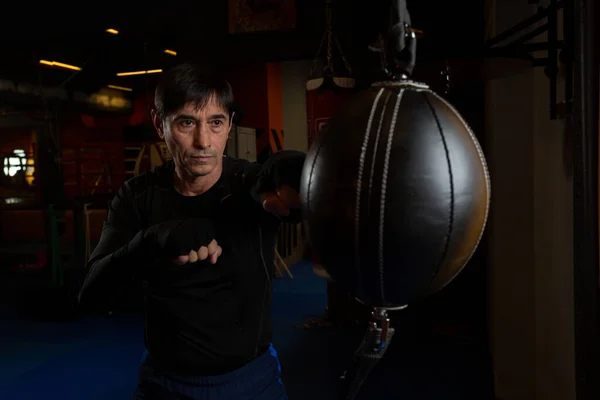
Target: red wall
(141,109)
(250,89)
(257,90)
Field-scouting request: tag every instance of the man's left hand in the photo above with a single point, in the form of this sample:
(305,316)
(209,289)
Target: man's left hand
(280,203)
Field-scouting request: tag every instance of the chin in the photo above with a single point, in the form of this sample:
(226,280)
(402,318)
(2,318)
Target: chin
(197,169)
(203,170)
(197,172)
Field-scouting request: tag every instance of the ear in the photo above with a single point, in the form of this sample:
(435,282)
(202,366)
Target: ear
(157,122)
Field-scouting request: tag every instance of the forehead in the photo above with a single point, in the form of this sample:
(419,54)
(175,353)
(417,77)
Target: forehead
(211,109)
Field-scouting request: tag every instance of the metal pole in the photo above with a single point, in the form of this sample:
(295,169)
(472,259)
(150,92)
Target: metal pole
(585,201)
(526,23)
(552,66)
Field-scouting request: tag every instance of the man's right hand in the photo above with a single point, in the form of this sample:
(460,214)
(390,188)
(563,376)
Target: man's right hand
(184,241)
(210,252)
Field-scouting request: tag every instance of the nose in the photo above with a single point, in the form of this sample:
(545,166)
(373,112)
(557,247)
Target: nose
(202,137)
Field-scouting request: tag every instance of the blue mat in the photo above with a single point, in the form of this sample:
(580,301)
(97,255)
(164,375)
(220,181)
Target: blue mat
(97,358)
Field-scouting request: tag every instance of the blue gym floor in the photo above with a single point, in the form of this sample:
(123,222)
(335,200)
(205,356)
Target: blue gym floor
(97,357)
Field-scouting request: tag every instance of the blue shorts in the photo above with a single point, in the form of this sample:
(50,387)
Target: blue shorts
(260,379)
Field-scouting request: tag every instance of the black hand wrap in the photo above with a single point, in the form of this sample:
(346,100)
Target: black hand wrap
(244,177)
(282,168)
(177,238)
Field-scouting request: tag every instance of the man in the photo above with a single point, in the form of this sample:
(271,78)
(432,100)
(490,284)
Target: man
(200,233)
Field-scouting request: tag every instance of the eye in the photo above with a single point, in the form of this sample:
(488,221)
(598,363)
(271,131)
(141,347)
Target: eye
(185,125)
(217,123)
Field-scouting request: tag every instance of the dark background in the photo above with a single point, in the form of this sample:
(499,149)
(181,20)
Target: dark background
(198,31)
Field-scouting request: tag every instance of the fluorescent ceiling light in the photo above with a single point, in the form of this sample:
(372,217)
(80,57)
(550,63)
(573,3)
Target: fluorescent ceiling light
(150,71)
(126,89)
(60,65)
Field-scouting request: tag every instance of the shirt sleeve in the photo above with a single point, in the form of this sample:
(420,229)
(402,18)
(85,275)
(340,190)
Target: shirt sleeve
(111,267)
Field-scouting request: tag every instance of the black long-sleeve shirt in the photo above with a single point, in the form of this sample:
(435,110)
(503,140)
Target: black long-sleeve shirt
(201,319)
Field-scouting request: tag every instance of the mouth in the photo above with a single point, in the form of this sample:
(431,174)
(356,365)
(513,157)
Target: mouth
(200,159)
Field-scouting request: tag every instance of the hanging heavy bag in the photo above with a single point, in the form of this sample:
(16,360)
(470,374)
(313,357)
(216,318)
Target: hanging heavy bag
(328,90)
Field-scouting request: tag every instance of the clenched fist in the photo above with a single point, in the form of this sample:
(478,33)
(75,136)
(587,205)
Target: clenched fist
(210,253)
(281,201)
(183,241)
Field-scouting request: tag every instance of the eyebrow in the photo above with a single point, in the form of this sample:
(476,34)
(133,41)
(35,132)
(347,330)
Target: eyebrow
(185,116)
(191,117)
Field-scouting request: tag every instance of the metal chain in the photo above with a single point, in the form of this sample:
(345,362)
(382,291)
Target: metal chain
(329,66)
(314,63)
(330,37)
(346,63)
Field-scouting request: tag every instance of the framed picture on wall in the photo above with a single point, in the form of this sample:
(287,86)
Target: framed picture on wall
(253,16)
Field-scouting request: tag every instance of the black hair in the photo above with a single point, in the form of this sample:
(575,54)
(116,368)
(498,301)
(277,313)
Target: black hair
(187,83)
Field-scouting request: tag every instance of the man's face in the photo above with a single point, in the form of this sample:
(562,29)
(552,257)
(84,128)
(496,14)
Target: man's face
(196,138)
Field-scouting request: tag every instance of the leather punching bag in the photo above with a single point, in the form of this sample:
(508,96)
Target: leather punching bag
(326,93)
(396,194)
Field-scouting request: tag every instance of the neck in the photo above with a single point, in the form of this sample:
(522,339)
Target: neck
(189,185)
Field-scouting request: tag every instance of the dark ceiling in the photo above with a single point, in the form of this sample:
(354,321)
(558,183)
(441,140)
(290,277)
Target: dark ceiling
(197,31)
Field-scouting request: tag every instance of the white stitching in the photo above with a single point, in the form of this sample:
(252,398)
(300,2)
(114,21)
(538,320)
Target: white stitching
(485,171)
(361,167)
(386,163)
